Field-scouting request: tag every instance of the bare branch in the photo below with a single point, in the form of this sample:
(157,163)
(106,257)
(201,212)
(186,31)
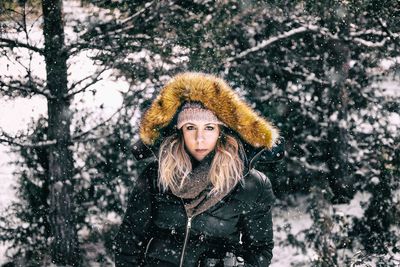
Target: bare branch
(85,140)
(14,141)
(24,88)
(14,17)
(79,136)
(94,79)
(120,28)
(84,88)
(27,144)
(75,48)
(4,42)
(34,22)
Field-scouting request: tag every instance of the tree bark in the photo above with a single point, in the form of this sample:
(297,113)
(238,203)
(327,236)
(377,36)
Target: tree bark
(338,177)
(65,246)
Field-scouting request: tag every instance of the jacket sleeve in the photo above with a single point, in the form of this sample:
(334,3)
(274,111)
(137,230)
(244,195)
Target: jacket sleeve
(256,227)
(134,232)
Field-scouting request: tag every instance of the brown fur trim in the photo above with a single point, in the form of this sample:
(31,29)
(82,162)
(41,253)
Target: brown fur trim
(216,95)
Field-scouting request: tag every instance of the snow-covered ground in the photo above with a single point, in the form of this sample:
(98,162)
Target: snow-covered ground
(289,220)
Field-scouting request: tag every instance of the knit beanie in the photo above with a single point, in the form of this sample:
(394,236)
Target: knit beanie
(195,112)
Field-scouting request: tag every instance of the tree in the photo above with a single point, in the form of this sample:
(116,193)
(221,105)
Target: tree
(57,141)
(64,246)
(311,73)
(111,38)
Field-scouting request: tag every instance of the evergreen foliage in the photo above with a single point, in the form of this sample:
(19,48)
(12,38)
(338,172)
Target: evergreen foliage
(25,223)
(310,66)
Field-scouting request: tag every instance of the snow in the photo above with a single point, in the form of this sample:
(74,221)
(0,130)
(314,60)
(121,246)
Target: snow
(23,111)
(390,86)
(287,220)
(294,219)
(354,208)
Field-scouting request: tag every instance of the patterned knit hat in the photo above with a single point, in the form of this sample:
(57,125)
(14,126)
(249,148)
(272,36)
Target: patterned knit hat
(194,112)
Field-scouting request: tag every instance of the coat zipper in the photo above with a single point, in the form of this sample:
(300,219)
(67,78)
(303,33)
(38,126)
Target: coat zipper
(189,221)
(147,247)
(188,227)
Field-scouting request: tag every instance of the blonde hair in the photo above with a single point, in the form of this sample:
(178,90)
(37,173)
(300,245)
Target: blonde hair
(175,165)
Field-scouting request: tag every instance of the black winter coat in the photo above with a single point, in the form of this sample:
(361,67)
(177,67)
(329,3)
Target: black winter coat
(156,230)
(155,225)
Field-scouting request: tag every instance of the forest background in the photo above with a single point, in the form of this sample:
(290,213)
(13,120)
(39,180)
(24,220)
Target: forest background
(325,72)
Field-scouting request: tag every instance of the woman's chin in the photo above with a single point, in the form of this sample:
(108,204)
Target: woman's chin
(199,158)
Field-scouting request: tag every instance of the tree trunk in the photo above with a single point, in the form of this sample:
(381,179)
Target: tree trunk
(64,247)
(338,178)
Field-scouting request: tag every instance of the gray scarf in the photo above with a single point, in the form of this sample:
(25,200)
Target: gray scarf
(196,188)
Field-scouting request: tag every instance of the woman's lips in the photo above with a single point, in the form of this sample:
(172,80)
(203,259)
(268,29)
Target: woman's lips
(200,150)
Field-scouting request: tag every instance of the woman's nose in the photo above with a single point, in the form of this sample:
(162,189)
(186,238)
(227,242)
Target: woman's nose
(199,136)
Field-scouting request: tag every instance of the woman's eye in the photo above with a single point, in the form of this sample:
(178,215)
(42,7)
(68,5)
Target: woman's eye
(189,127)
(209,128)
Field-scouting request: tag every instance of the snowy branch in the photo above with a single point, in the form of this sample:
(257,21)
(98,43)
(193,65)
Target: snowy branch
(305,28)
(309,77)
(4,42)
(356,37)
(137,14)
(264,44)
(367,32)
(369,43)
(268,42)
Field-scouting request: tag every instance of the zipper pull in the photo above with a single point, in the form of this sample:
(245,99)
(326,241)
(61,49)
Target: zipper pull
(189,223)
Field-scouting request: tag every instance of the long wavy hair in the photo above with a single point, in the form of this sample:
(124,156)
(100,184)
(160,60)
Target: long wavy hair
(226,169)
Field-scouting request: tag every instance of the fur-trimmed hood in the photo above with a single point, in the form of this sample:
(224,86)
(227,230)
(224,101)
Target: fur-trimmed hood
(216,95)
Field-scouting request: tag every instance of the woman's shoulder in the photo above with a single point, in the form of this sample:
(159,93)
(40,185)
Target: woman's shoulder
(150,168)
(148,176)
(255,187)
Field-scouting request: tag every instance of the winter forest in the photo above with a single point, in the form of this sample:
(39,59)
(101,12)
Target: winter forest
(76,76)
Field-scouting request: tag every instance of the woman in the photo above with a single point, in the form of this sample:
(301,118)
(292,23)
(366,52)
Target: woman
(201,203)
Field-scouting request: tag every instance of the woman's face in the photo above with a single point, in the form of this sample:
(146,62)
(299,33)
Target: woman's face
(200,138)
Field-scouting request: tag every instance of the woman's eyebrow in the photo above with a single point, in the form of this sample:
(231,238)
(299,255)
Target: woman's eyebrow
(195,125)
